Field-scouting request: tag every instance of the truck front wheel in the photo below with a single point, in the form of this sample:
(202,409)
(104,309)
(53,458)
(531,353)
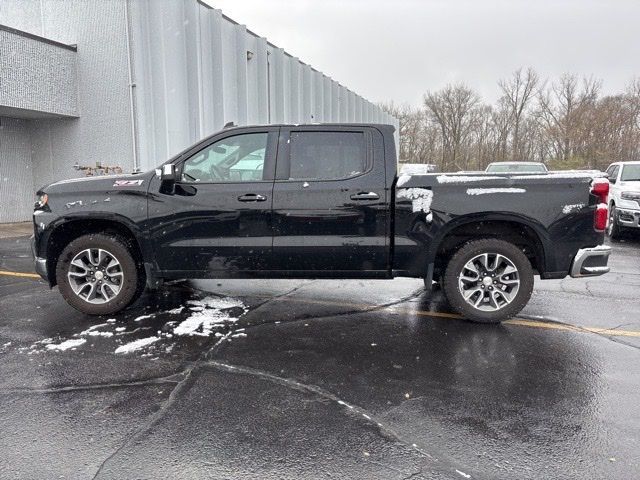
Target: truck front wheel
(488,280)
(97,274)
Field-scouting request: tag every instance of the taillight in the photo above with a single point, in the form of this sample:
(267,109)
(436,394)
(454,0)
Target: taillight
(601,217)
(600,188)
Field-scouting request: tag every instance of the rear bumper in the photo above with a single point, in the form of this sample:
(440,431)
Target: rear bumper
(39,263)
(591,262)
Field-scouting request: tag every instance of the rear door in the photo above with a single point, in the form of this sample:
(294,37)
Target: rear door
(330,205)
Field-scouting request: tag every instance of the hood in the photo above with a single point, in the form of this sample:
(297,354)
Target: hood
(101,183)
(633,186)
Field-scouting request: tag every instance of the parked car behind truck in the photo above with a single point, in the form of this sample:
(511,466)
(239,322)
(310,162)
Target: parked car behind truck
(624,199)
(316,201)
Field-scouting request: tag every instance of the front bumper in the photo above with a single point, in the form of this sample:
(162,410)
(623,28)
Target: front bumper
(628,218)
(40,263)
(591,262)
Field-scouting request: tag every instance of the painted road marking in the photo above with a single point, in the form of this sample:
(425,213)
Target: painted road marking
(522,322)
(19,274)
(364,308)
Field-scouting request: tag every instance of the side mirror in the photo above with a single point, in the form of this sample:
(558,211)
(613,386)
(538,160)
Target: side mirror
(167,176)
(168,173)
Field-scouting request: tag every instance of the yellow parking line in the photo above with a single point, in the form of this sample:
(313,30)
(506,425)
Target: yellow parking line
(19,274)
(514,321)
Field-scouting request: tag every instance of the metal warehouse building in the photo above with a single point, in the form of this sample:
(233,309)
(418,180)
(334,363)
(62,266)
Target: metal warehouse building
(128,83)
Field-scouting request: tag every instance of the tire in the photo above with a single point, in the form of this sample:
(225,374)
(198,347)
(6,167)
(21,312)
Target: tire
(614,230)
(89,280)
(488,300)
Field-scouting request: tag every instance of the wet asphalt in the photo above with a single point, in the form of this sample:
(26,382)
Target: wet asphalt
(320,379)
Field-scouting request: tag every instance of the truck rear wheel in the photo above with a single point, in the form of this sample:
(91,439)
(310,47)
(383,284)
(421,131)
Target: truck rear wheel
(488,280)
(97,274)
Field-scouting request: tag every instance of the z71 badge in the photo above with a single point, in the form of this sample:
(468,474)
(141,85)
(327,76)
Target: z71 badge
(127,183)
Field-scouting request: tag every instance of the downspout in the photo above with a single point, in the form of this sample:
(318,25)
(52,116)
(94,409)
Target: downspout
(132,93)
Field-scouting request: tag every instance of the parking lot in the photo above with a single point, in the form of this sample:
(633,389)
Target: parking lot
(320,379)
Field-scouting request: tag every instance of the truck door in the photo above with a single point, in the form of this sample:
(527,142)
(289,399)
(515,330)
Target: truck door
(330,204)
(218,221)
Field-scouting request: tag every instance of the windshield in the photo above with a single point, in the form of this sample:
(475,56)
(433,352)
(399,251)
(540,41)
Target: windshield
(630,173)
(516,168)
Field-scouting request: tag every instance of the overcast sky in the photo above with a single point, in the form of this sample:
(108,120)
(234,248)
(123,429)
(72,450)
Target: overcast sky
(399,49)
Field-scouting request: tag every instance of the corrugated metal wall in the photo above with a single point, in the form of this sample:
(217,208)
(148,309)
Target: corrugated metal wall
(196,70)
(16,177)
(193,71)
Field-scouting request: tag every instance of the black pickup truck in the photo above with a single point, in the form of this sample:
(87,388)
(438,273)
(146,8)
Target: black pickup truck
(317,201)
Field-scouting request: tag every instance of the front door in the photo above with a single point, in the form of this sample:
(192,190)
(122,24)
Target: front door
(219,220)
(330,207)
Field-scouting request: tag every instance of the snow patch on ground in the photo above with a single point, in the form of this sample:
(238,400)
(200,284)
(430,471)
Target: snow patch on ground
(208,314)
(200,317)
(66,345)
(485,191)
(175,311)
(94,332)
(136,345)
(572,208)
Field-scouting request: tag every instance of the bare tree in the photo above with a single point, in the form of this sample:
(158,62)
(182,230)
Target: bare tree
(418,138)
(566,124)
(451,109)
(562,109)
(518,91)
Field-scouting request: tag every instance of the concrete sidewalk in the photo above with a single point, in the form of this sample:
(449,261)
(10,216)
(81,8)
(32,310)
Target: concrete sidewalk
(11,230)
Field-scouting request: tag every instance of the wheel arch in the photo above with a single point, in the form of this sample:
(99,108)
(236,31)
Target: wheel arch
(68,229)
(522,231)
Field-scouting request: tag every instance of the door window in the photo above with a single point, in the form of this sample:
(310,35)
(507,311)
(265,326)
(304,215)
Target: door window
(327,155)
(233,159)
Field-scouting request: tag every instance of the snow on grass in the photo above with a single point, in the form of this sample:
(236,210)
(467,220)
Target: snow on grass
(66,345)
(136,345)
(144,317)
(486,191)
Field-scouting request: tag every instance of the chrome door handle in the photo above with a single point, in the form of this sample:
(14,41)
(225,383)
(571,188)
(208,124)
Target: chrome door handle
(252,197)
(365,196)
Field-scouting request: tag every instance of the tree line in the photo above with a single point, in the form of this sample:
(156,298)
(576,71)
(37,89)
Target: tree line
(566,123)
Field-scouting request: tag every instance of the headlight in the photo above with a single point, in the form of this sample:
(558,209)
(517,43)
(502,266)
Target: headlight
(41,201)
(631,196)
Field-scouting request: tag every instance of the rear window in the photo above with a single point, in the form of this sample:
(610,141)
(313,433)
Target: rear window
(516,168)
(327,155)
